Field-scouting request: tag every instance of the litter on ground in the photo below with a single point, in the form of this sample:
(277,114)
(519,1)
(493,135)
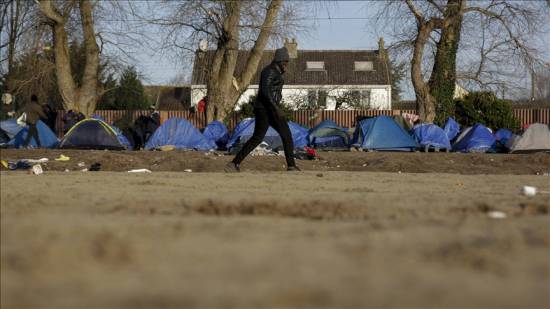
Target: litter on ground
(140,170)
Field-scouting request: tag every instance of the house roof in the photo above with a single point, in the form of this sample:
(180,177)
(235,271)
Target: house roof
(339,67)
(169,97)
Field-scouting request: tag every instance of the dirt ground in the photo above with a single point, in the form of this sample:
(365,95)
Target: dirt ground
(406,162)
(320,238)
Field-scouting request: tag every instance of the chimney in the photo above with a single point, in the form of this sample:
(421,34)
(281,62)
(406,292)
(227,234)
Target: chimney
(292,47)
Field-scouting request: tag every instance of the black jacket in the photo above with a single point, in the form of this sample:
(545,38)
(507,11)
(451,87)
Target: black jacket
(271,87)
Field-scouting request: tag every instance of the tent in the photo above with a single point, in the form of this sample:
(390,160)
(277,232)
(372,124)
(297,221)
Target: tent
(244,130)
(4,138)
(10,127)
(45,134)
(475,139)
(122,138)
(328,134)
(91,133)
(402,122)
(431,136)
(382,133)
(217,132)
(451,128)
(299,134)
(535,138)
(503,135)
(119,135)
(181,134)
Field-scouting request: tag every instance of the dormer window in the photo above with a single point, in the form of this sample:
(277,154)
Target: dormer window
(364,66)
(315,66)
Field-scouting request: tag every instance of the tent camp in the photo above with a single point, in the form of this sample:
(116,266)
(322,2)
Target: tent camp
(475,139)
(91,133)
(244,130)
(382,133)
(328,135)
(217,132)
(535,138)
(181,134)
(430,136)
(46,136)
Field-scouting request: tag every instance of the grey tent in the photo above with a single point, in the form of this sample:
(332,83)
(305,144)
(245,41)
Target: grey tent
(535,138)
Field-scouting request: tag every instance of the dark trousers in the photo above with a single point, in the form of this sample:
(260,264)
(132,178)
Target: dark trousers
(264,119)
(33,132)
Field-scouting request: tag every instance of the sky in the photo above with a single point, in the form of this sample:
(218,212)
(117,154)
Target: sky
(323,34)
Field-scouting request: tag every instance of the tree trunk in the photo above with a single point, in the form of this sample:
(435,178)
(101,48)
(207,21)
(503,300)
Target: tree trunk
(224,89)
(83,98)
(65,81)
(14,28)
(425,102)
(89,93)
(443,77)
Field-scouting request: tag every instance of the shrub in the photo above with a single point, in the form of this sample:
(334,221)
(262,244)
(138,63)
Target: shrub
(247,111)
(487,109)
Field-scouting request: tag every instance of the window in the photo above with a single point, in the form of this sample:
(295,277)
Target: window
(322,99)
(365,99)
(315,65)
(312,98)
(364,66)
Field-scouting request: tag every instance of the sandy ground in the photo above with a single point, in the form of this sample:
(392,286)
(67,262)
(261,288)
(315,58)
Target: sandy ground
(312,239)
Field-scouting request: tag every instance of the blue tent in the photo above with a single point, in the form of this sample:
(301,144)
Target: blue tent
(475,139)
(328,134)
(451,128)
(299,134)
(244,130)
(382,133)
(430,135)
(119,135)
(10,127)
(4,138)
(122,138)
(91,133)
(217,132)
(45,134)
(503,135)
(181,134)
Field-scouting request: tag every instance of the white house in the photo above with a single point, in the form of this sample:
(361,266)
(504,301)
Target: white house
(324,79)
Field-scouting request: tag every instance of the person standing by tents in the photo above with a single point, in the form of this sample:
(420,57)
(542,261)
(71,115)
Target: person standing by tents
(33,112)
(51,116)
(201,106)
(268,113)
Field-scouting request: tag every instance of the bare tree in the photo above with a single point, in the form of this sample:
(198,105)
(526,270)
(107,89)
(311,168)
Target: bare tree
(438,26)
(229,26)
(81,97)
(16,20)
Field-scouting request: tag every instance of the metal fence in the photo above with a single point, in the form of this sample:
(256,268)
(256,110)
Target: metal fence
(308,118)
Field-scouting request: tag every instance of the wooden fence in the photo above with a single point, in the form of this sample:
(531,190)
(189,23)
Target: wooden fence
(308,118)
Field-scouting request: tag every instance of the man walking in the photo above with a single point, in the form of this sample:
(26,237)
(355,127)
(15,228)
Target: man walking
(268,113)
(33,112)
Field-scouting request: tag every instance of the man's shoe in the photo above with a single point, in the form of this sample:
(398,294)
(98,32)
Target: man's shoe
(231,168)
(293,169)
